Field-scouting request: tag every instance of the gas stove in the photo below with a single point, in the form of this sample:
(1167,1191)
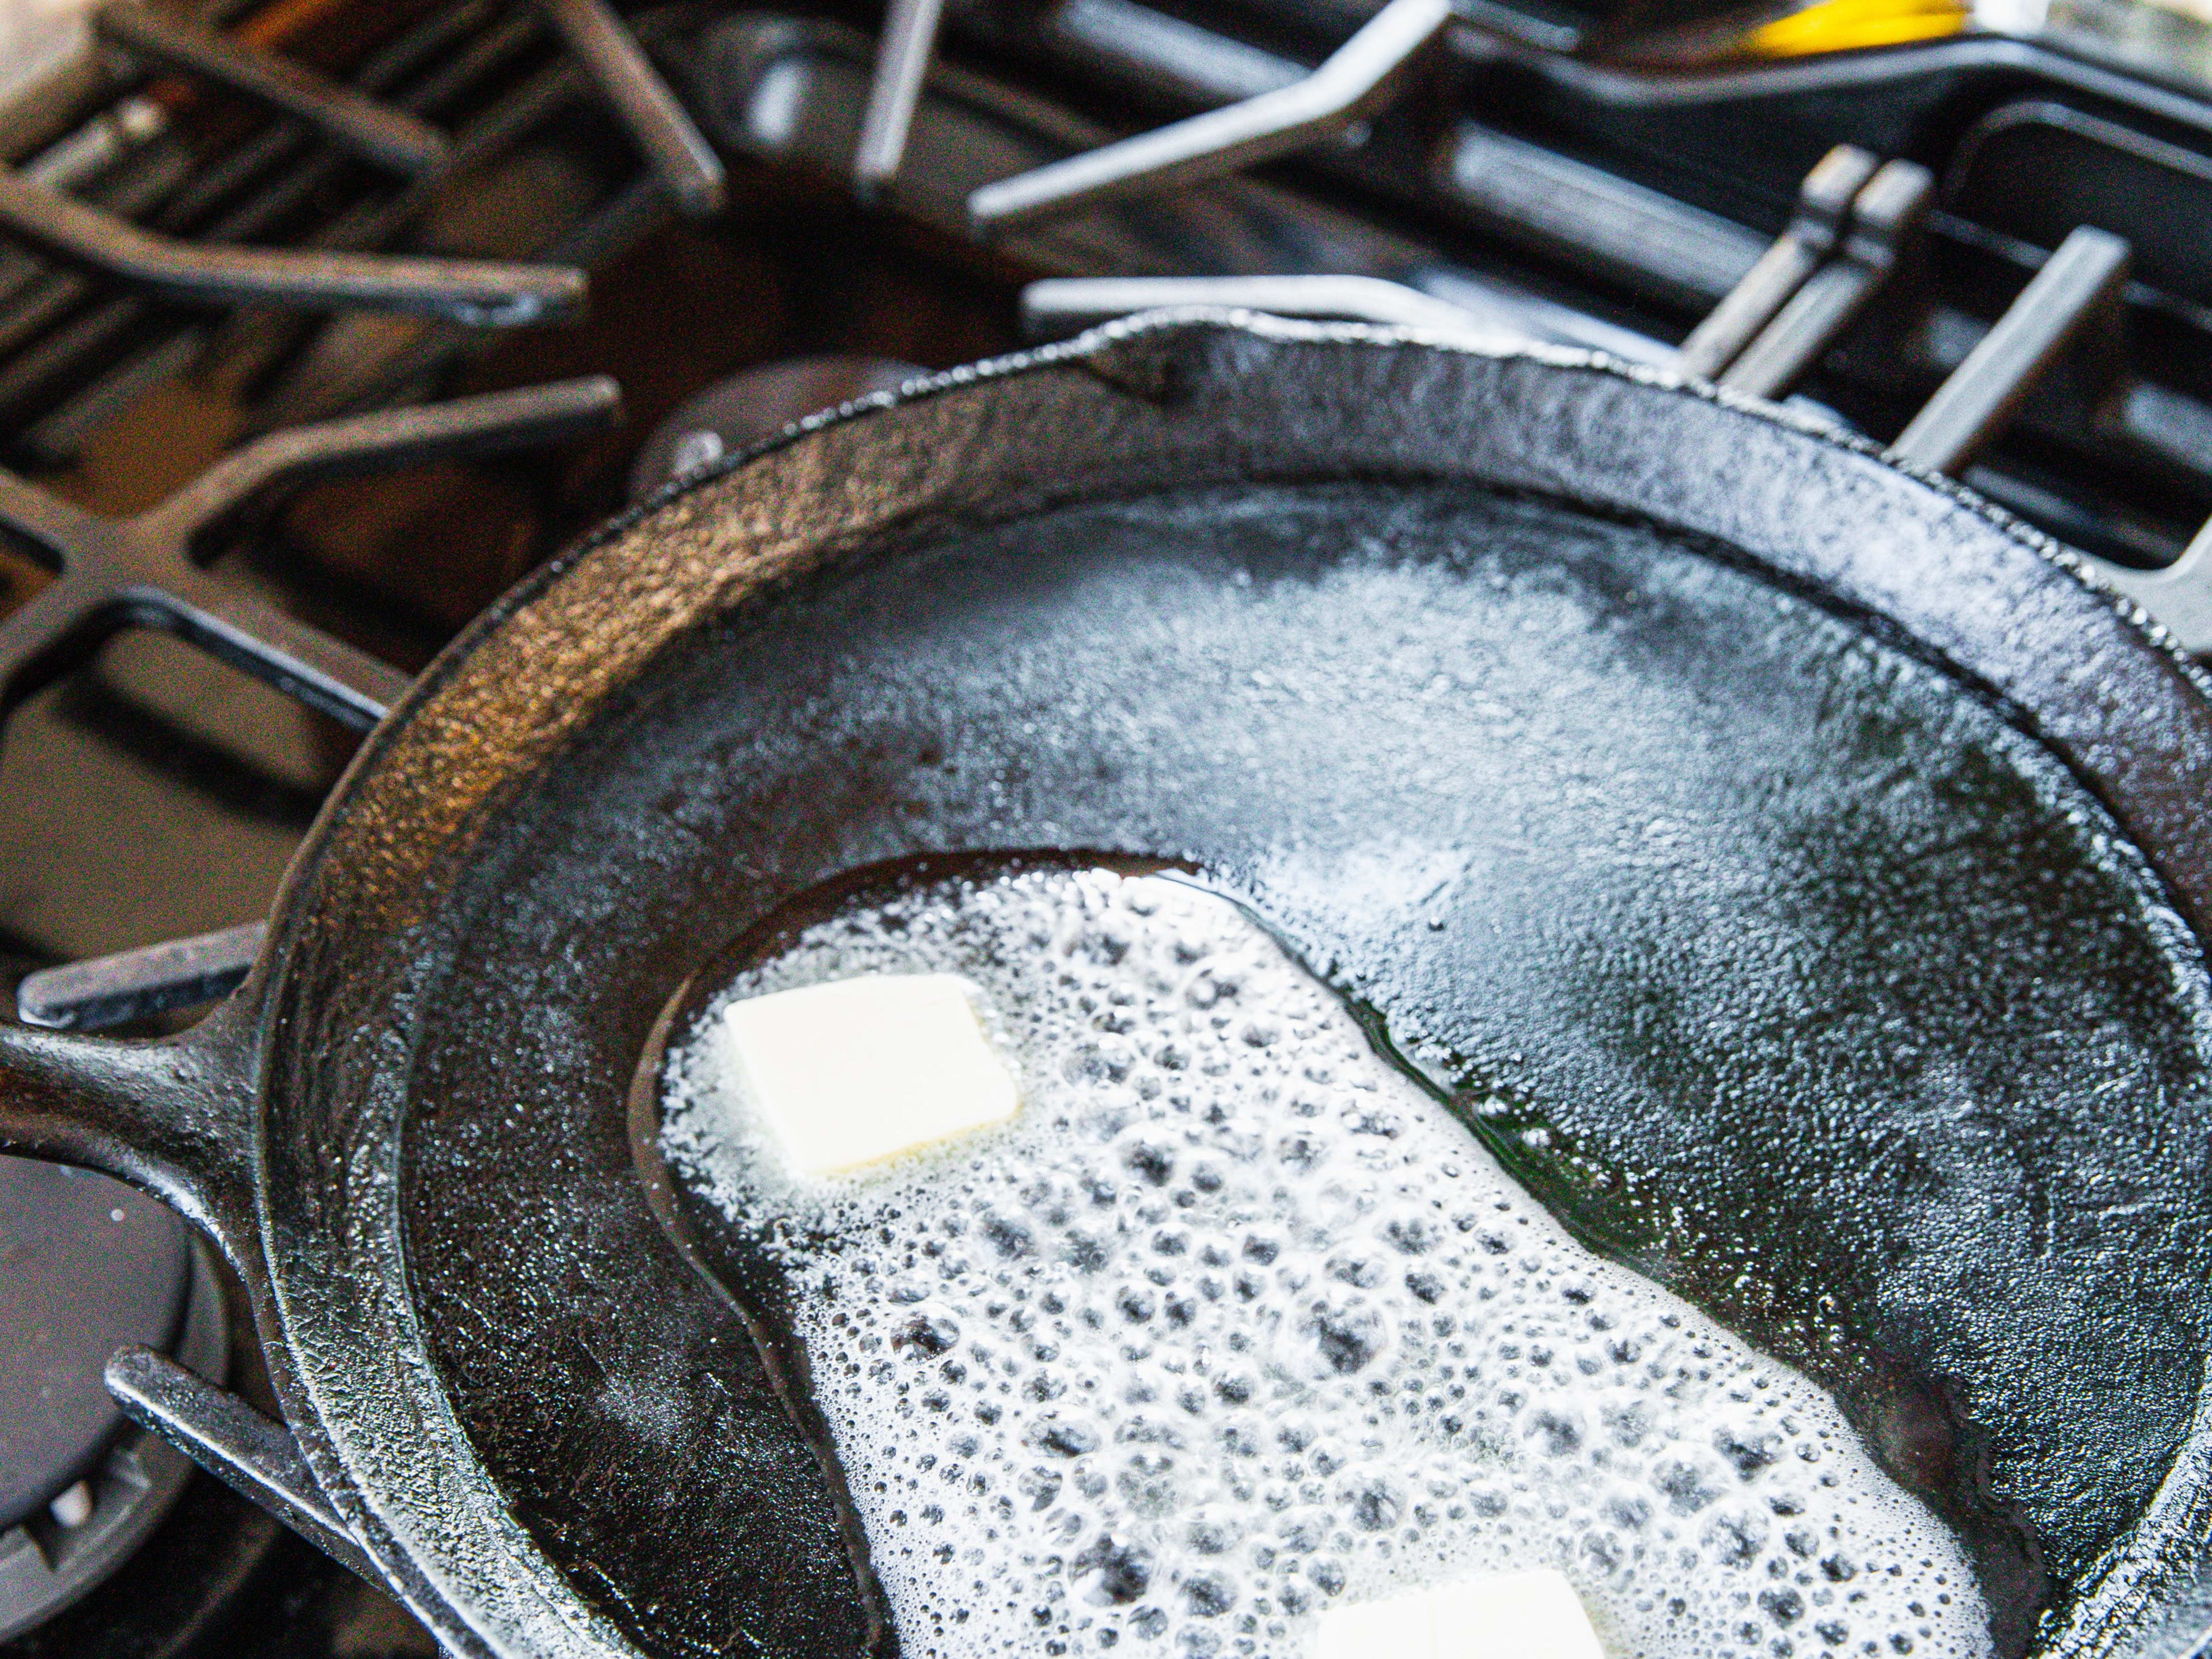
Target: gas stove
(322,322)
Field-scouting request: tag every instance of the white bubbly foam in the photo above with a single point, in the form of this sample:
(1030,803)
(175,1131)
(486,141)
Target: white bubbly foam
(1235,1319)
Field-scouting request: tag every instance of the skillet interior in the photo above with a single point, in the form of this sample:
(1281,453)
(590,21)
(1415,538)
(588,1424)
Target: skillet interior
(1730,891)
(442,1368)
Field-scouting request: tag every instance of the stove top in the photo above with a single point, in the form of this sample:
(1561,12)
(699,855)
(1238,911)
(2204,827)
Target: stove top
(297,372)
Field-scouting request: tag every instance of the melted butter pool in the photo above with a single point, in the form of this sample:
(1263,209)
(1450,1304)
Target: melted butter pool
(1238,1320)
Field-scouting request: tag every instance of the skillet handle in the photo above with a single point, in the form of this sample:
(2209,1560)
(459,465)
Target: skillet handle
(172,1115)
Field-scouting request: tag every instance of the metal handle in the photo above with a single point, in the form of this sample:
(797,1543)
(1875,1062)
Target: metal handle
(173,1116)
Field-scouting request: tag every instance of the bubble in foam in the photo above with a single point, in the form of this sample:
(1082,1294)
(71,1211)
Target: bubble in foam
(1235,1320)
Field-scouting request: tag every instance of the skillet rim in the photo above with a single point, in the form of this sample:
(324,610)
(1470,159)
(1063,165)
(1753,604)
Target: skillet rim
(485,1588)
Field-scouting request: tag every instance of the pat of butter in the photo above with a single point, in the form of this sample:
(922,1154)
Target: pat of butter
(1505,1616)
(856,1071)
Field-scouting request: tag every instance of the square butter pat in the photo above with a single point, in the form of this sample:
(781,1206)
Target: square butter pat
(1505,1616)
(856,1071)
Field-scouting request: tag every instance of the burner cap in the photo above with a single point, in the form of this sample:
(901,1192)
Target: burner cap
(87,1264)
(732,415)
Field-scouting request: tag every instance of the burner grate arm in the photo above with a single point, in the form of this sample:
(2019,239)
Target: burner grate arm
(254,1457)
(142,572)
(902,65)
(483,292)
(104,992)
(674,148)
(1824,210)
(2080,284)
(1060,306)
(294,657)
(1885,214)
(1362,78)
(375,132)
(494,423)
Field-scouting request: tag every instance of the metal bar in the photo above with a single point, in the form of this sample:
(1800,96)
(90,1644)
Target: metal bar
(1824,206)
(79,363)
(198,190)
(279,150)
(684,161)
(909,41)
(1884,214)
(52,633)
(1362,77)
(2085,275)
(25,378)
(479,291)
(101,992)
(1567,209)
(491,424)
(58,529)
(141,572)
(380,376)
(375,132)
(59,628)
(2179,598)
(254,1457)
(254,637)
(1246,225)
(1061,305)
(1594,220)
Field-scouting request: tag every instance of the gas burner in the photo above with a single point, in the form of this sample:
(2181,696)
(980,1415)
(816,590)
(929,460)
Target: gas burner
(93,1266)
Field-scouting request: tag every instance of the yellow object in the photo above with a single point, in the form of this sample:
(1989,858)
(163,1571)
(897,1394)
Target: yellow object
(850,1072)
(1499,1615)
(1848,25)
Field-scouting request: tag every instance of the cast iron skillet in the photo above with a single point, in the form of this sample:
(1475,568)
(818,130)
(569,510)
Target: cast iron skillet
(1759,815)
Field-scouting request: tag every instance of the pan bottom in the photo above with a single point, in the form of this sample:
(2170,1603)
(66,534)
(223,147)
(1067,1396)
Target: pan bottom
(1241,1322)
